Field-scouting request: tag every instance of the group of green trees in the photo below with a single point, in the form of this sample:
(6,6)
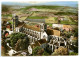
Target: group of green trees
(18,41)
(21,44)
(39,51)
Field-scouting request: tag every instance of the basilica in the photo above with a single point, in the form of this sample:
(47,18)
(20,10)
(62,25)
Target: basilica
(38,34)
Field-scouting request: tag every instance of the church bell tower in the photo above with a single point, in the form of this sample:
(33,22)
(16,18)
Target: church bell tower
(43,27)
(15,21)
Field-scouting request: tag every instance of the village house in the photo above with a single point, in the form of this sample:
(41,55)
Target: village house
(67,27)
(57,25)
(63,18)
(6,28)
(6,33)
(63,27)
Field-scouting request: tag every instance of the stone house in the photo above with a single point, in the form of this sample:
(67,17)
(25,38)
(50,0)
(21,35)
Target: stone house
(53,32)
(67,27)
(63,27)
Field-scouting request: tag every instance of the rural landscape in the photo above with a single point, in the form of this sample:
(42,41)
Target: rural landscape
(39,29)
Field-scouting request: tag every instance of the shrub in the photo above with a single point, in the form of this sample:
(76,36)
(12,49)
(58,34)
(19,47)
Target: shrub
(39,51)
(60,51)
(36,50)
(45,53)
(16,36)
(73,53)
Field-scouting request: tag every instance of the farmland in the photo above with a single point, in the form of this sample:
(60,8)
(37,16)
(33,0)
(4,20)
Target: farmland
(51,14)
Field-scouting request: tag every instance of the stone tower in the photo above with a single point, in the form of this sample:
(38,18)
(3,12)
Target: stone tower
(13,25)
(43,27)
(15,22)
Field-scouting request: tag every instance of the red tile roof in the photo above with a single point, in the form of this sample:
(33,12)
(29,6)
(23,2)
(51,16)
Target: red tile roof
(8,26)
(6,34)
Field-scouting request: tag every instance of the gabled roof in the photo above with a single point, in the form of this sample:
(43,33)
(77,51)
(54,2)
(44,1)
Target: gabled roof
(67,26)
(6,34)
(31,27)
(8,26)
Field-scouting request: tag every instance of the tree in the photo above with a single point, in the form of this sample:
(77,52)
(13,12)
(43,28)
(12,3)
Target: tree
(21,44)
(75,41)
(17,47)
(45,53)
(39,51)
(15,37)
(75,44)
(60,51)
(46,48)
(35,50)
(76,32)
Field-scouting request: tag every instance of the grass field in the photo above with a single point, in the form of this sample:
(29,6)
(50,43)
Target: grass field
(67,22)
(51,20)
(37,17)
